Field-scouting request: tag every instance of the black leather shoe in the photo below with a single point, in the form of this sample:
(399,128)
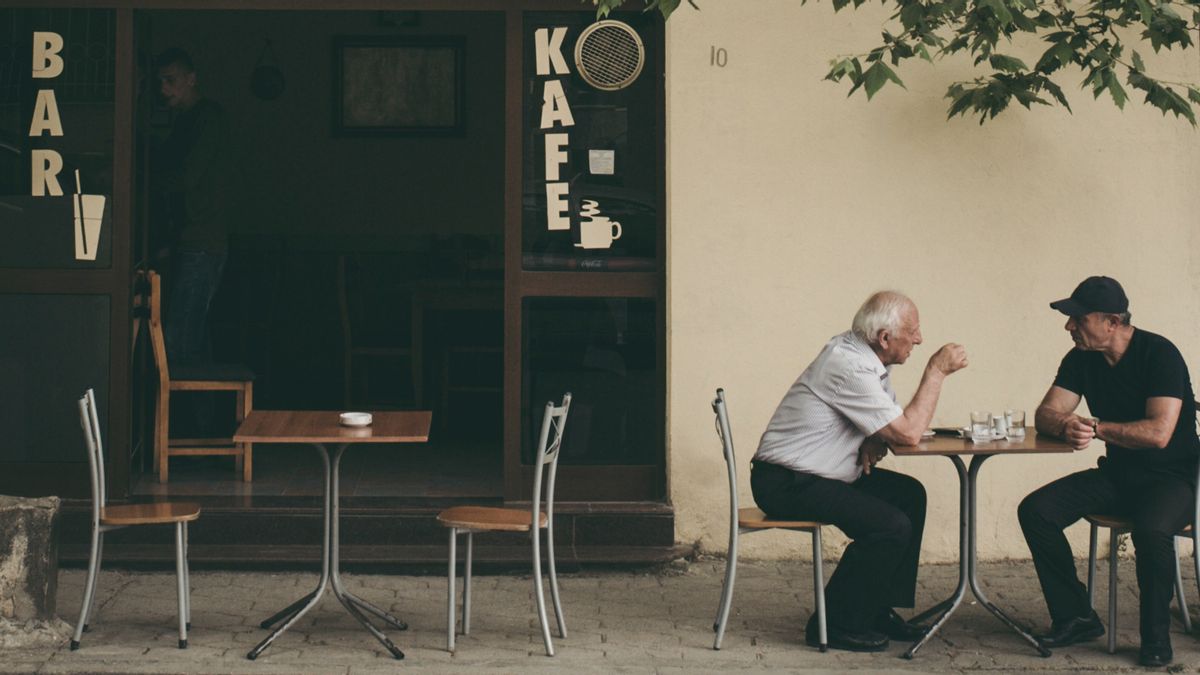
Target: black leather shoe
(894,626)
(1155,654)
(1072,631)
(851,641)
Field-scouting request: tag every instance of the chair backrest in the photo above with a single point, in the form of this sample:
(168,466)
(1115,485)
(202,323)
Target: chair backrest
(156,329)
(726,436)
(89,419)
(554,422)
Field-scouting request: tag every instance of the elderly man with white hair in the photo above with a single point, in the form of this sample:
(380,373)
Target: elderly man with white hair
(816,461)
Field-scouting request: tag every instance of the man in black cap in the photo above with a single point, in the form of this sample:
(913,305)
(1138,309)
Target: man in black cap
(1139,393)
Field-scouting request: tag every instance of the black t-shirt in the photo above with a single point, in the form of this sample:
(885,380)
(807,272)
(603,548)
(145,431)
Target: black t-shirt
(1151,366)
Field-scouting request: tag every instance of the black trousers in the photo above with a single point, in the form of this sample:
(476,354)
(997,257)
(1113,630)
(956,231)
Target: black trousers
(882,512)
(1158,502)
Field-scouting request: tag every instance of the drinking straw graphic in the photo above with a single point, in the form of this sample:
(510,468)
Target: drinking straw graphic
(79,212)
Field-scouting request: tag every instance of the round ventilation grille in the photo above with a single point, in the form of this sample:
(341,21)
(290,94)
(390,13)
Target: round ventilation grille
(609,55)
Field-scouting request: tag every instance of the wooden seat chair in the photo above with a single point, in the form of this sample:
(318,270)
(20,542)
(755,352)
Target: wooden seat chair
(208,377)
(471,519)
(108,518)
(1117,526)
(747,520)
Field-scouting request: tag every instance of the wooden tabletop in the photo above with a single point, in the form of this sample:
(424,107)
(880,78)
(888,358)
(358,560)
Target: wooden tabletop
(951,445)
(322,426)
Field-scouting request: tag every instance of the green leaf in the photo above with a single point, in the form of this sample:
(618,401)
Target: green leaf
(999,10)
(924,53)
(876,76)
(1008,64)
(1145,10)
(1115,89)
(1193,94)
(1137,62)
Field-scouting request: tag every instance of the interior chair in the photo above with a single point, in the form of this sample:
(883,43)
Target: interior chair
(373,303)
(201,377)
(469,327)
(1117,526)
(471,519)
(751,519)
(108,518)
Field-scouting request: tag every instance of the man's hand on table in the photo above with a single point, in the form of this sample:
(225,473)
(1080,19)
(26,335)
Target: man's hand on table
(1079,431)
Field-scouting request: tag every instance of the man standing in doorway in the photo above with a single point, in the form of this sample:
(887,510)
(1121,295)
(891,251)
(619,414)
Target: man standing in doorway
(816,461)
(1139,393)
(194,174)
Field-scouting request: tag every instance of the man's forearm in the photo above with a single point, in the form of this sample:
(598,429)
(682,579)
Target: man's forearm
(1148,434)
(1051,422)
(919,411)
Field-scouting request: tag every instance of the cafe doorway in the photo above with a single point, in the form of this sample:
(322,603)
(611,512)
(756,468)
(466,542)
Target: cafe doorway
(366,254)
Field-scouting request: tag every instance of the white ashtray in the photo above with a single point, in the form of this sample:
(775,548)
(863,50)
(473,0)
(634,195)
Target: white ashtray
(355,419)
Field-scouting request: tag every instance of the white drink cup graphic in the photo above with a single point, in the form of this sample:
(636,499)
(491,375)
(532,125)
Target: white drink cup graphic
(89,214)
(595,230)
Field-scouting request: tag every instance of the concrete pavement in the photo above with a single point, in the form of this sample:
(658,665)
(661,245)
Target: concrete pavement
(642,621)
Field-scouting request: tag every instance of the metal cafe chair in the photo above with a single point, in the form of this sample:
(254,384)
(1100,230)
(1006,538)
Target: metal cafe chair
(108,518)
(751,519)
(1118,525)
(472,519)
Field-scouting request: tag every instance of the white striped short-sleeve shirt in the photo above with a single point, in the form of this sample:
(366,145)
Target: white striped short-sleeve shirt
(844,396)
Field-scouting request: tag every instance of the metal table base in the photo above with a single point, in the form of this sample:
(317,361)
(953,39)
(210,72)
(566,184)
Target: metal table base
(330,574)
(967,564)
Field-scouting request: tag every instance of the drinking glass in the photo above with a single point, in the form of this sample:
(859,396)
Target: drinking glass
(981,426)
(1016,423)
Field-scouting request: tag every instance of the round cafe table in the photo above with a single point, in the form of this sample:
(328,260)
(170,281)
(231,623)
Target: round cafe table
(955,449)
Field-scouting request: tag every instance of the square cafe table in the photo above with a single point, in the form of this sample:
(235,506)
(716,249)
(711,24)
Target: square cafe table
(955,449)
(322,429)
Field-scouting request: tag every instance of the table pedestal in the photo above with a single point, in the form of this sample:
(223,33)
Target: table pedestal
(967,564)
(330,574)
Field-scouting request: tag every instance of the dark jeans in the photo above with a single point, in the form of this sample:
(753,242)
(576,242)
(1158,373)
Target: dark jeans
(1159,503)
(195,276)
(883,512)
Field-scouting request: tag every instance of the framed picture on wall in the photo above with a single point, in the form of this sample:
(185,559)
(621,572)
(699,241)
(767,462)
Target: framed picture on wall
(398,86)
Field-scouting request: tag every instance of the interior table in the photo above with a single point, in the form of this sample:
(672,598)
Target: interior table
(955,449)
(323,430)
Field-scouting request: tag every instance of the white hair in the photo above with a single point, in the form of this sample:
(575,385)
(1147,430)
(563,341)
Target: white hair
(884,310)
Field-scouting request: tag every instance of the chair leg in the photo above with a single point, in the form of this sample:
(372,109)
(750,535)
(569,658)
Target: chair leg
(538,593)
(99,564)
(1112,590)
(450,593)
(180,582)
(245,405)
(726,589)
(466,611)
(819,591)
(187,582)
(162,432)
(1091,584)
(89,589)
(1179,597)
(558,611)
(1196,554)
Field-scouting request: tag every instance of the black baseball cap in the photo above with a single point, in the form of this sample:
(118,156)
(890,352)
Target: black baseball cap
(1094,294)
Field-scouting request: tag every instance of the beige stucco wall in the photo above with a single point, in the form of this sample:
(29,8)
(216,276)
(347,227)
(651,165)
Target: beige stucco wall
(789,203)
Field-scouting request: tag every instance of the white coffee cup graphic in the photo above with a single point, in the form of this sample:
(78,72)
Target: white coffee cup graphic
(89,215)
(595,230)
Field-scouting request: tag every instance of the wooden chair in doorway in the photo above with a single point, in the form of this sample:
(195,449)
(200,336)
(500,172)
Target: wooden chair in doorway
(210,377)
(107,518)
(380,326)
(751,519)
(471,519)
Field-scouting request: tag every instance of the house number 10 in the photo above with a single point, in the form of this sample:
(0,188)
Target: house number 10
(717,56)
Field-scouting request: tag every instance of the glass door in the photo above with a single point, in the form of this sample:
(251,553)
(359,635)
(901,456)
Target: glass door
(64,213)
(586,267)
